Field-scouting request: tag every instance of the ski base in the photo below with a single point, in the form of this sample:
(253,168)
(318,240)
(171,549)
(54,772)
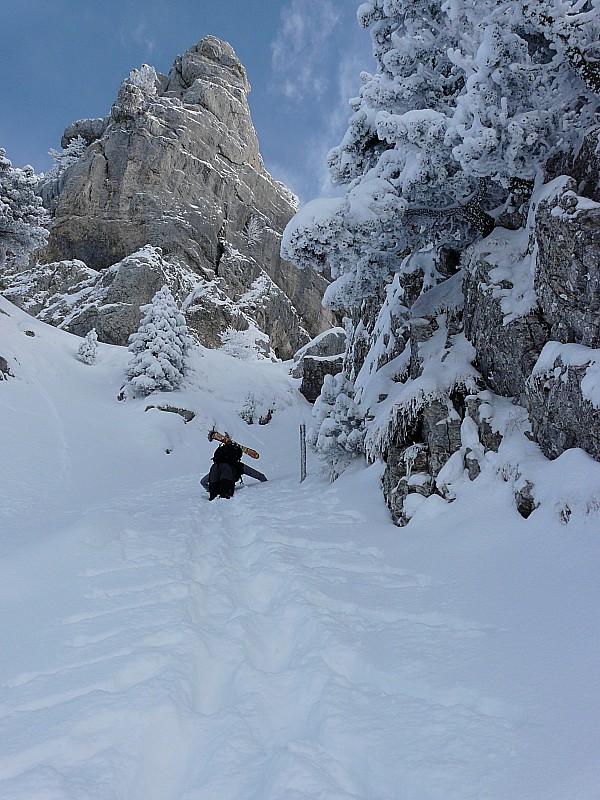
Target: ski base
(222,437)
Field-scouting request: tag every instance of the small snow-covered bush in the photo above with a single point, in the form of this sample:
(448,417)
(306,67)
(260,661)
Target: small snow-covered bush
(253,230)
(248,345)
(258,408)
(159,346)
(339,431)
(88,349)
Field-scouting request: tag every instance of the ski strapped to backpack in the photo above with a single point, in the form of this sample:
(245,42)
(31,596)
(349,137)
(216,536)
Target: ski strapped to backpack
(222,437)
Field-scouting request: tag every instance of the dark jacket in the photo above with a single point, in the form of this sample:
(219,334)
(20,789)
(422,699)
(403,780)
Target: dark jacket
(245,470)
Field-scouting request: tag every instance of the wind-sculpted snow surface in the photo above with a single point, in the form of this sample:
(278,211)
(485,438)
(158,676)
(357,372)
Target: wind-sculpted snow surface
(288,643)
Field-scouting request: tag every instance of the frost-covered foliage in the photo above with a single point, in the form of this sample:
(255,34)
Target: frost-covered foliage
(339,428)
(66,157)
(468,103)
(247,345)
(258,407)
(88,349)
(159,347)
(23,219)
(253,230)
(445,369)
(145,78)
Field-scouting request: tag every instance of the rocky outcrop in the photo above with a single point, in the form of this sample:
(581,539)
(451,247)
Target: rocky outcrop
(314,370)
(89,129)
(567,274)
(503,319)
(176,165)
(5,372)
(41,288)
(563,398)
(71,296)
(582,166)
(322,356)
(507,346)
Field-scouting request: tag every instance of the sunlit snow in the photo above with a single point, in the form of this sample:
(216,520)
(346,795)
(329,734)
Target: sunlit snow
(290,643)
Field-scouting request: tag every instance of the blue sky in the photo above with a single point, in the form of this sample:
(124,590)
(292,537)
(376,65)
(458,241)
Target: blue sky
(62,60)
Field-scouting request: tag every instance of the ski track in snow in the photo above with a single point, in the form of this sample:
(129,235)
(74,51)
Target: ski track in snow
(249,649)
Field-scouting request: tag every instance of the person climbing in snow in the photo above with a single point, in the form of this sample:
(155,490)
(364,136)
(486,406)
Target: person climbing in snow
(226,470)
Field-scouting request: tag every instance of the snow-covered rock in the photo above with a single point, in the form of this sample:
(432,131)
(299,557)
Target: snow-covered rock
(567,273)
(502,315)
(324,355)
(177,165)
(563,397)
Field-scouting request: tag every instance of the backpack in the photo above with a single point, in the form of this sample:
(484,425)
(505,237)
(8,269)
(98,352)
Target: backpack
(227,453)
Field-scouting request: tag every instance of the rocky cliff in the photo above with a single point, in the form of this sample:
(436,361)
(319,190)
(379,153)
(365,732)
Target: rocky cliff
(176,166)
(505,347)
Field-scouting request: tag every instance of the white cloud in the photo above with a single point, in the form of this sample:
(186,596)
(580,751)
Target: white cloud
(300,57)
(335,118)
(318,55)
(139,35)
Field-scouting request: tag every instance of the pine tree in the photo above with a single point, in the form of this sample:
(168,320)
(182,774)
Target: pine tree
(339,428)
(22,216)
(469,101)
(66,157)
(159,347)
(253,230)
(88,349)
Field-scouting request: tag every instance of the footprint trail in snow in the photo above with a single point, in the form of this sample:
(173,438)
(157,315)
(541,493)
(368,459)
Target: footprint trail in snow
(255,648)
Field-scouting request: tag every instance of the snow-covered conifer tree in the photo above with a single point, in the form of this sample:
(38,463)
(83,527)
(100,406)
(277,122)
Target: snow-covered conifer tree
(468,104)
(253,230)
(88,349)
(159,347)
(339,426)
(64,158)
(22,216)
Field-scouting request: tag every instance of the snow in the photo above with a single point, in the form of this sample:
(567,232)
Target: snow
(556,358)
(290,643)
(512,255)
(444,368)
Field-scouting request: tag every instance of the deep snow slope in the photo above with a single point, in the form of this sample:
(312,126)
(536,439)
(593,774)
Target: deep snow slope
(289,643)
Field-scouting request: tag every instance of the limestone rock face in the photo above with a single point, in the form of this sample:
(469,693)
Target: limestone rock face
(71,296)
(38,289)
(507,340)
(177,166)
(113,305)
(567,277)
(563,412)
(446,376)
(322,356)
